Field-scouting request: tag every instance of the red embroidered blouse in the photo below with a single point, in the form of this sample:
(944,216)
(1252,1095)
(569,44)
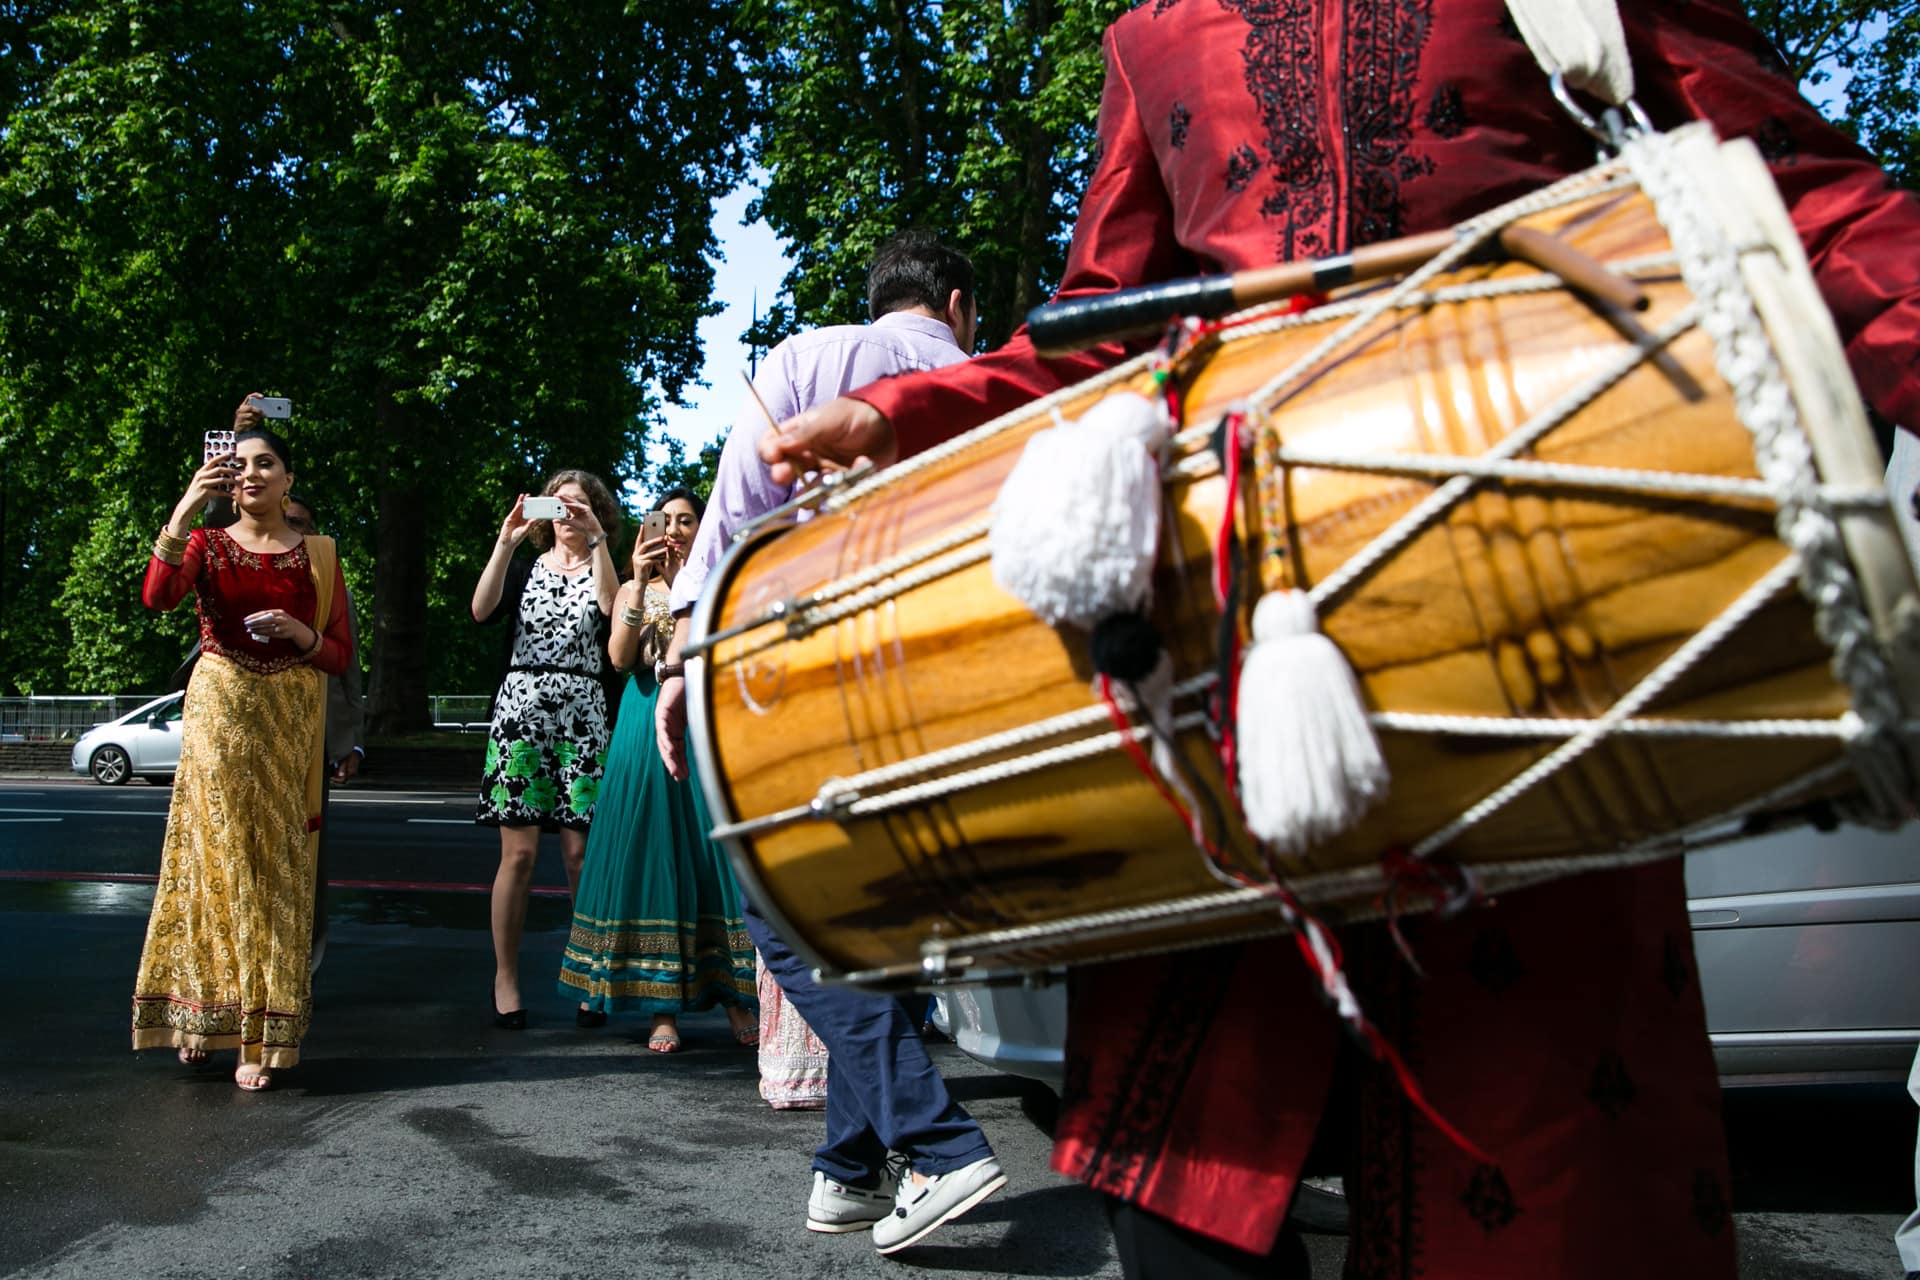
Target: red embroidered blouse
(230,583)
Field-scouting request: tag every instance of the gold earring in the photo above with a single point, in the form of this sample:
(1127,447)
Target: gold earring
(283,502)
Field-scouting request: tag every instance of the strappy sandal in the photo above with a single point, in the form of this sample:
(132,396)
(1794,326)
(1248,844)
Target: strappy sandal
(254,1081)
(664,1040)
(191,1057)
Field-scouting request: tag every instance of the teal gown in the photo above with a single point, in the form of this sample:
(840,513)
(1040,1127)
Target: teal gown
(657,926)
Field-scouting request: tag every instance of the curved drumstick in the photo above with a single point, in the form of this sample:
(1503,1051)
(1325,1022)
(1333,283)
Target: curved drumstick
(1062,327)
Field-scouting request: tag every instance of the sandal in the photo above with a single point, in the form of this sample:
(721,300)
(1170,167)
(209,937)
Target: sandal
(191,1057)
(665,1039)
(252,1081)
(745,1034)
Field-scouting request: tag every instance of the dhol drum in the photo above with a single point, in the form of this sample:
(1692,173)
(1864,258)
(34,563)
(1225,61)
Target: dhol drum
(1611,581)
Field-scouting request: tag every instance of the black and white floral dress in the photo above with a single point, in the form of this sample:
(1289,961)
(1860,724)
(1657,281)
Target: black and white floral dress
(547,749)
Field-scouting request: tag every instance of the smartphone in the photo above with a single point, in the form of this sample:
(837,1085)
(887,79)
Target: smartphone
(542,509)
(272,406)
(217,444)
(654,526)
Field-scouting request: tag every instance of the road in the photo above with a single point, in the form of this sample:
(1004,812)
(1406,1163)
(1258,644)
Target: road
(415,1139)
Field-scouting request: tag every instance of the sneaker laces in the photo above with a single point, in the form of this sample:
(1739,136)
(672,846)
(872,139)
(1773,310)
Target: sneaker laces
(899,1167)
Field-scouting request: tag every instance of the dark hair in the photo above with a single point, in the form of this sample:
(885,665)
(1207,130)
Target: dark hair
(275,441)
(913,269)
(694,500)
(599,497)
(300,500)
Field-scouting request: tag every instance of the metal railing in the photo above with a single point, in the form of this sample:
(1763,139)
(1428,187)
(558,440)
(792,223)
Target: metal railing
(466,712)
(64,717)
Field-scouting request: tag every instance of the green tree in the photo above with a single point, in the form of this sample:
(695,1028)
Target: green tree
(972,119)
(1872,53)
(469,239)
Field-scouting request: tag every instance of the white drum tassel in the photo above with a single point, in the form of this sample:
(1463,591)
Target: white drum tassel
(1077,520)
(1310,765)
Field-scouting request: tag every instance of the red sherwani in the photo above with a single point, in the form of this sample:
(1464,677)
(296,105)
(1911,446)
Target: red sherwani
(1561,1029)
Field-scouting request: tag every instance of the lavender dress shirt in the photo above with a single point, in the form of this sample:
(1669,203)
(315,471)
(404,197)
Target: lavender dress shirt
(807,369)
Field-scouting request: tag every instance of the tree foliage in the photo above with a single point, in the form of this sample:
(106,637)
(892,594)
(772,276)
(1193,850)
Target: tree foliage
(470,240)
(1870,53)
(972,119)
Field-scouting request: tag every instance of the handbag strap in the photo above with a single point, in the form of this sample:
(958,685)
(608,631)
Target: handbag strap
(1580,41)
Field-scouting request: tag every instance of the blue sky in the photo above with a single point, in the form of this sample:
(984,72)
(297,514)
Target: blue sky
(752,261)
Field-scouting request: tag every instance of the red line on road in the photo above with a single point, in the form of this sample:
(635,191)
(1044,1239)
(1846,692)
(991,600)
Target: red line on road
(402,886)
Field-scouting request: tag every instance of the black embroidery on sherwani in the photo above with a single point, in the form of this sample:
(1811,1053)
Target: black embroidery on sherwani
(1776,141)
(1709,1203)
(1241,166)
(1161,6)
(1611,1089)
(1283,73)
(1488,1199)
(1177,121)
(1147,1094)
(1676,968)
(1384,39)
(1446,113)
(1386,1237)
(1494,963)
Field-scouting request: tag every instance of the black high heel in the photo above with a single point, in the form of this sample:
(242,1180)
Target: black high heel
(588,1019)
(514,1021)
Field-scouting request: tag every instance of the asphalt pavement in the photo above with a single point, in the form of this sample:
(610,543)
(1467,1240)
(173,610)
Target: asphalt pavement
(417,1140)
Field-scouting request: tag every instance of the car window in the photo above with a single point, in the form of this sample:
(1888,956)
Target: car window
(172,713)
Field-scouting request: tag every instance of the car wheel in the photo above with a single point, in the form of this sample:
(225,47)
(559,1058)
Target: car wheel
(110,766)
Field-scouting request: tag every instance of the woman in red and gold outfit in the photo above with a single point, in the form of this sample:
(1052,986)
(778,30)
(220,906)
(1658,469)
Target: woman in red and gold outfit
(1563,1027)
(225,964)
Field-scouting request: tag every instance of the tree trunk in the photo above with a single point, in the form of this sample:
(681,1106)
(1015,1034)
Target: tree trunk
(397,690)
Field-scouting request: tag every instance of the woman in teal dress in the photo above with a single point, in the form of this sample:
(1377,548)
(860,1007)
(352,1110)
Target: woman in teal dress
(657,926)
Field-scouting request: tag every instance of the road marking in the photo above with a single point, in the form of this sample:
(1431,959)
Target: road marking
(97,813)
(32,819)
(382,800)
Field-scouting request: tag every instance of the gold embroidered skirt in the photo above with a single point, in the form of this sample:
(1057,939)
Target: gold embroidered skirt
(229,943)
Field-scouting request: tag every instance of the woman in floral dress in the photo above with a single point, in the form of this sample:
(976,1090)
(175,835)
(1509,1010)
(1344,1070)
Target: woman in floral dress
(547,748)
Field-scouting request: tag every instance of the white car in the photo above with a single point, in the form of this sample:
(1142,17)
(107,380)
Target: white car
(145,741)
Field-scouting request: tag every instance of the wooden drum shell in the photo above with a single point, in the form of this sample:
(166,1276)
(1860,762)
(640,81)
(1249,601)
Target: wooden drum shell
(1524,602)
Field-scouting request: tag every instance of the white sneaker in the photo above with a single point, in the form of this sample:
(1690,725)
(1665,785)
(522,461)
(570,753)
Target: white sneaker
(921,1207)
(834,1208)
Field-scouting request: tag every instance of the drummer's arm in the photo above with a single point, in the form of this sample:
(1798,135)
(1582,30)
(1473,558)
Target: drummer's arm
(1124,236)
(1862,234)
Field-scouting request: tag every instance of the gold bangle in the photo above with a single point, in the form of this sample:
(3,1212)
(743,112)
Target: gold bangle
(169,549)
(319,641)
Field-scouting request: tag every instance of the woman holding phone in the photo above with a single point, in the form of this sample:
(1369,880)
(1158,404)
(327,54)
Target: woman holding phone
(547,748)
(657,925)
(225,964)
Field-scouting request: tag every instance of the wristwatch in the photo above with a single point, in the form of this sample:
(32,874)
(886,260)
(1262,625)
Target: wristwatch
(664,671)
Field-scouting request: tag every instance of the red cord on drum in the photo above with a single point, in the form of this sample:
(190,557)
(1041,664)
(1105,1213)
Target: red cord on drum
(1315,942)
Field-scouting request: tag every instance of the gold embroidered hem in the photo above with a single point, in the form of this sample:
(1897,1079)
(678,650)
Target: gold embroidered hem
(228,947)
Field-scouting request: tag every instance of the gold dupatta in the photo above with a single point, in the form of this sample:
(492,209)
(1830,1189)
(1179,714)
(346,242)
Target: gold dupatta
(323,559)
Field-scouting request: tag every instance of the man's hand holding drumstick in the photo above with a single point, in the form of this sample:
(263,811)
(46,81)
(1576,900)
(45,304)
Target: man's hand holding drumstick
(832,437)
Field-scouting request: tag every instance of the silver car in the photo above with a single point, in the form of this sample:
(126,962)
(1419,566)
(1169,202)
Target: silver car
(1806,940)
(145,741)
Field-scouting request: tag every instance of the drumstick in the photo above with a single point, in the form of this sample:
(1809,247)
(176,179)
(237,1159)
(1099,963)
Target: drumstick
(755,393)
(1583,274)
(1062,327)
(1081,322)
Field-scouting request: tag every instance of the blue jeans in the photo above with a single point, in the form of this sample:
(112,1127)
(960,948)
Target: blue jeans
(883,1091)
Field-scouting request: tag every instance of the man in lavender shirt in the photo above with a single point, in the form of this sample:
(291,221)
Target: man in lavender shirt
(883,1092)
